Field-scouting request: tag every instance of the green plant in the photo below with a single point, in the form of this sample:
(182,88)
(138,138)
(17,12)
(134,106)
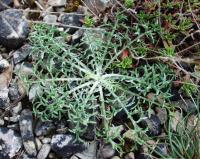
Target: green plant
(166,35)
(88,21)
(78,83)
(184,143)
(189,89)
(168,52)
(128,3)
(183,25)
(125,63)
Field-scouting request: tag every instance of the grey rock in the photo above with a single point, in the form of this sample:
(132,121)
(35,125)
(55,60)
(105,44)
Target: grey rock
(50,19)
(25,123)
(71,20)
(46,140)
(38,143)
(161,114)
(4,64)
(1,122)
(3,97)
(14,28)
(4,4)
(34,91)
(13,93)
(153,124)
(44,128)
(44,151)
(187,105)
(24,69)
(97,6)
(161,149)
(90,152)
(106,152)
(130,156)
(57,3)
(10,143)
(65,145)
(76,37)
(16,109)
(12,118)
(175,120)
(21,54)
(14,126)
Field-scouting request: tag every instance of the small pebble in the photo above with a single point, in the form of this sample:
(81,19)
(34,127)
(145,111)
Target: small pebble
(115,157)
(17,109)
(107,152)
(24,69)
(130,156)
(1,122)
(161,114)
(50,19)
(14,126)
(176,118)
(57,3)
(38,144)
(74,157)
(44,151)
(46,140)
(52,155)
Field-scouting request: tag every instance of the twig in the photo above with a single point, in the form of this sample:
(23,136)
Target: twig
(56,24)
(43,11)
(39,5)
(191,35)
(16,3)
(178,53)
(174,60)
(63,25)
(4,5)
(127,10)
(180,68)
(89,8)
(193,15)
(11,105)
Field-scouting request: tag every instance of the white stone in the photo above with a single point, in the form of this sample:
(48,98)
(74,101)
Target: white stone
(1,122)
(44,151)
(50,19)
(17,109)
(57,3)
(176,119)
(90,152)
(10,141)
(34,92)
(38,143)
(58,138)
(46,140)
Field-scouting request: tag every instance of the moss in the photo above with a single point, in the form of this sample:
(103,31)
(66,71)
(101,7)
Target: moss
(72,5)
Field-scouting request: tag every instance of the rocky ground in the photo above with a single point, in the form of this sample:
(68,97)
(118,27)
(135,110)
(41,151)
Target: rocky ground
(23,135)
